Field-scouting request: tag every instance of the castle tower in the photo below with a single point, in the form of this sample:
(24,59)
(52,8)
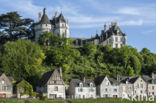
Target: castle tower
(61,26)
(43,25)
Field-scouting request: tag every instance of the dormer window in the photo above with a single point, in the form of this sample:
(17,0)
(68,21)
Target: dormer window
(91,84)
(81,85)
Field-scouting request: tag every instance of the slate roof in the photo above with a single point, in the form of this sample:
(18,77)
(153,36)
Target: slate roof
(99,79)
(45,78)
(61,18)
(44,19)
(149,79)
(87,82)
(129,79)
(112,80)
(58,19)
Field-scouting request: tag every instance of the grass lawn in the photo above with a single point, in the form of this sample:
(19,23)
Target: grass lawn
(108,101)
(29,101)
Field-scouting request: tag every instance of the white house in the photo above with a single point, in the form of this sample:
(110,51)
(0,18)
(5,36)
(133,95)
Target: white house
(107,87)
(52,85)
(82,89)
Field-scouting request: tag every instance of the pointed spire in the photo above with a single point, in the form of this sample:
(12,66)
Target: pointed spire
(105,27)
(39,16)
(44,11)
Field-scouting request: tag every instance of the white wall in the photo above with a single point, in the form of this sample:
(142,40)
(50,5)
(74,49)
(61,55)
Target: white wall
(59,93)
(86,93)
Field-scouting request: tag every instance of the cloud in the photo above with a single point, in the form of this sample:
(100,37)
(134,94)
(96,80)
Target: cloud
(25,7)
(131,23)
(129,11)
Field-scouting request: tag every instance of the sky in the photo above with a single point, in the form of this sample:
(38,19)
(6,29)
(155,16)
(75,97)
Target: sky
(136,18)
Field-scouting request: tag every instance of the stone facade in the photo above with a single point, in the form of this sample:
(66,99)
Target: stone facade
(107,87)
(113,37)
(6,86)
(82,89)
(58,25)
(52,85)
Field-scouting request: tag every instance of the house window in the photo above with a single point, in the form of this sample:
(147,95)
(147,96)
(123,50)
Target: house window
(81,85)
(80,89)
(141,91)
(137,85)
(56,88)
(153,87)
(91,84)
(116,39)
(3,86)
(115,90)
(106,90)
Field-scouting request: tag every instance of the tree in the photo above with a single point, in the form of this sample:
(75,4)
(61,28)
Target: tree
(89,50)
(135,63)
(50,39)
(12,25)
(22,59)
(24,88)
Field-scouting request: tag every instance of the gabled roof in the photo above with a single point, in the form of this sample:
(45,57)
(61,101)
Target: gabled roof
(112,80)
(61,18)
(86,83)
(99,79)
(10,79)
(58,19)
(45,78)
(129,79)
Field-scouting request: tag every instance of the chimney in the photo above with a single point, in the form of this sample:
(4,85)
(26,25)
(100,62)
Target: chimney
(84,79)
(153,75)
(60,70)
(39,16)
(110,26)
(118,78)
(44,11)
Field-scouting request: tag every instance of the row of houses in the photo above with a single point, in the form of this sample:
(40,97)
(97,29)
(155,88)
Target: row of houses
(53,86)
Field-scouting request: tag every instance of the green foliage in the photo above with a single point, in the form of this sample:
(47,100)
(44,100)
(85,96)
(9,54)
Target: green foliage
(22,59)
(25,88)
(12,26)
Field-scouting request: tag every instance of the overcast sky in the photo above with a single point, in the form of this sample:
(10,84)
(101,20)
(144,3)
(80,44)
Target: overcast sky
(136,18)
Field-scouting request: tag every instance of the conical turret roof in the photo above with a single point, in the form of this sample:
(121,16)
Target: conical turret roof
(44,19)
